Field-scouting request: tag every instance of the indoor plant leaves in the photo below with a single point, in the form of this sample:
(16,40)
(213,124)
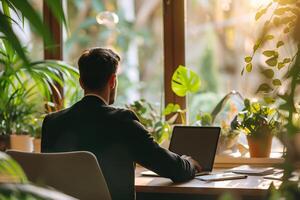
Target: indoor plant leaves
(184,80)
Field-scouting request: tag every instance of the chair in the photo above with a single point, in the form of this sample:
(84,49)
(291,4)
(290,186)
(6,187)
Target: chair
(75,173)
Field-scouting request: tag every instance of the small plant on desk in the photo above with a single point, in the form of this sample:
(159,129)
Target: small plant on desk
(259,123)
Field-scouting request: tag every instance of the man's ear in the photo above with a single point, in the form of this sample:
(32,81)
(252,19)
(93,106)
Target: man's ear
(81,83)
(112,81)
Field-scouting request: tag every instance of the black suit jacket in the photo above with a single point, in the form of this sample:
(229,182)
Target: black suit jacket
(117,139)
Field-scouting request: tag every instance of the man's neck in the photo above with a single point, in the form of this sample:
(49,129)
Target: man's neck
(100,96)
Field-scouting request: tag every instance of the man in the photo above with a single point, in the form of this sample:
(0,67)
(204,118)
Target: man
(114,135)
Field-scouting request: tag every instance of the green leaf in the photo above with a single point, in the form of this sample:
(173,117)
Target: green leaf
(280,65)
(57,10)
(276,82)
(7,30)
(269,73)
(264,88)
(9,167)
(268,37)
(184,80)
(256,46)
(249,67)
(279,44)
(269,100)
(33,17)
(272,61)
(260,13)
(280,11)
(286,60)
(171,108)
(269,53)
(248,59)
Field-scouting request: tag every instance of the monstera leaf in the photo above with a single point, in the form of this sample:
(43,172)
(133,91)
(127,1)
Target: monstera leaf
(184,80)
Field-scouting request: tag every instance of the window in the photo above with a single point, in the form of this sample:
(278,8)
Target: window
(219,34)
(27,35)
(133,28)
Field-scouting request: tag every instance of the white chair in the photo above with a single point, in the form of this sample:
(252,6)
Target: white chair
(75,173)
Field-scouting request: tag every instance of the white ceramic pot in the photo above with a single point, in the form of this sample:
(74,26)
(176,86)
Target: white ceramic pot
(37,145)
(21,143)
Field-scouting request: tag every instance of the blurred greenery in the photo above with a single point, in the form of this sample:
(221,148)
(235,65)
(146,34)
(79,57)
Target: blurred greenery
(137,37)
(208,72)
(281,80)
(26,86)
(24,10)
(11,170)
(151,119)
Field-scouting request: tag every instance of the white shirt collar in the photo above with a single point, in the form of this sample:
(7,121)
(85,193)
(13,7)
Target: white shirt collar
(95,95)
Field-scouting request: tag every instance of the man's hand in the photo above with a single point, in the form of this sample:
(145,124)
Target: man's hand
(193,162)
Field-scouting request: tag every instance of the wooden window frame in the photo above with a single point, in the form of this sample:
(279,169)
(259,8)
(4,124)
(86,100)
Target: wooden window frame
(54,51)
(174,46)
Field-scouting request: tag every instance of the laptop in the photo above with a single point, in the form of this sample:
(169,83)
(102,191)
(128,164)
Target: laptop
(198,142)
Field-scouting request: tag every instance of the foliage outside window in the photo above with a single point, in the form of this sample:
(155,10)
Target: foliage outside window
(219,35)
(133,28)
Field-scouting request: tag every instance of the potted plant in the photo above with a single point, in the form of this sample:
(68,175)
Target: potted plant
(37,139)
(20,77)
(16,114)
(260,124)
(35,130)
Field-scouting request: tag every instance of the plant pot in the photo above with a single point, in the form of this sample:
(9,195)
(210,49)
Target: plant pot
(260,146)
(37,145)
(21,143)
(4,142)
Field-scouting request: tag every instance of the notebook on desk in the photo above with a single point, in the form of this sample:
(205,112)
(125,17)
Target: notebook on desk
(250,170)
(198,142)
(221,176)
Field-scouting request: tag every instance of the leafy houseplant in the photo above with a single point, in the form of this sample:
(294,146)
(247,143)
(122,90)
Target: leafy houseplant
(26,86)
(259,123)
(281,30)
(184,80)
(15,117)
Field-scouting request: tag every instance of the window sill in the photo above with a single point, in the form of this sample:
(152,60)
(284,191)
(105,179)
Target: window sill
(229,161)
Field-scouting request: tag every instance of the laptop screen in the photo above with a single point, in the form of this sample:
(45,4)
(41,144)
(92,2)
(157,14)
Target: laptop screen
(198,142)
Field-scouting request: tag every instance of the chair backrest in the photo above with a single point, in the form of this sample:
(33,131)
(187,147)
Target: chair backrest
(75,173)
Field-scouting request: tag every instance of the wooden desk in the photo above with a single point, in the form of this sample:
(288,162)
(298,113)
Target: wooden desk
(253,187)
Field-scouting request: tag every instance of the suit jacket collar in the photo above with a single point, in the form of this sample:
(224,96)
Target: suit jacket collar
(90,99)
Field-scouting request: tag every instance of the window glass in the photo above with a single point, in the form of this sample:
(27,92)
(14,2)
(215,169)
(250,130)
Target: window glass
(28,35)
(133,28)
(219,34)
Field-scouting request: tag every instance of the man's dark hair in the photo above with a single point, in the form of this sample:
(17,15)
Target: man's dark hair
(96,66)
